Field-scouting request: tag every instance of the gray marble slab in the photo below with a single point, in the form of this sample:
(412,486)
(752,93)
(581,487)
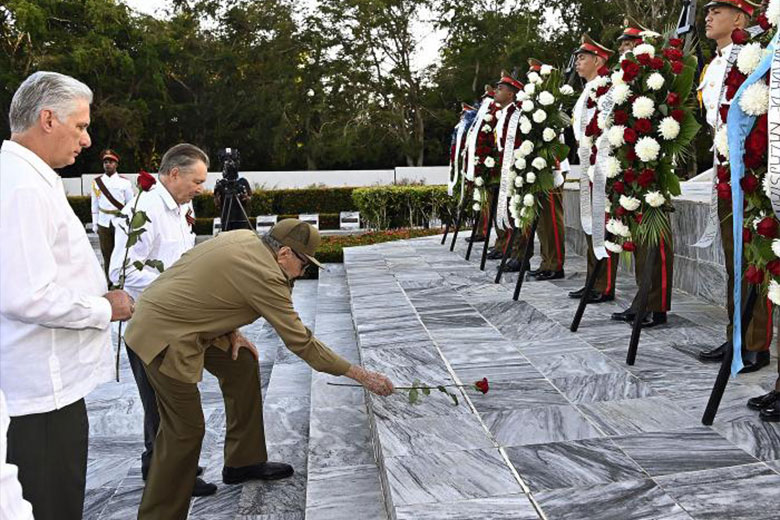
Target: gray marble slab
(539,425)
(351,491)
(339,436)
(614,386)
(637,415)
(442,433)
(516,396)
(556,366)
(510,507)
(759,438)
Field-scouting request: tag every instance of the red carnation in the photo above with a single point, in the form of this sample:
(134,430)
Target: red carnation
(673,99)
(145,181)
(764,22)
(646,178)
(656,63)
(773,267)
(739,36)
(630,154)
(592,128)
(672,54)
(724,191)
(749,183)
(482,386)
(724,112)
(754,275)
(723,173)
(734,80)
(678,115)
(630,70)
(621,211)
(629,246)
(747,236)
(590,103)
(676,42)
(619,187)
(767,227)
(630,136)
(638,218)
(643,126)
(644,59)
(602,90)
(677,67)
(603,71)
(629,175)
(620,117)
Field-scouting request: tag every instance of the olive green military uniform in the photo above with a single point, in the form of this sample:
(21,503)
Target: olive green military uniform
(181,325)
(605,283)
(551,231)
(660,297)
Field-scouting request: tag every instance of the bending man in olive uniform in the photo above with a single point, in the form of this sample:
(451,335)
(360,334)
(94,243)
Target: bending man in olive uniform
(188,319)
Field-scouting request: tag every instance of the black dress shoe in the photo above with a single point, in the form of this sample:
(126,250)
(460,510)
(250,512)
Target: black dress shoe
(549,275)
(476,239)
(654,318)
(494,254)
(597,297)
(771,413)
(262,471)
(577,294)
(627,315)
(534,272)
(754,361)
(203,488)
(763,401)
(513,266)
(715,354)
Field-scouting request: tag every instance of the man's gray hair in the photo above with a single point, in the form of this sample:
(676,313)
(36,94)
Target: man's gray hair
(183,156)
(45,90)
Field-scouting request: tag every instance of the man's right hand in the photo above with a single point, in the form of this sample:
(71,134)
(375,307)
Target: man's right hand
(374,382)
(122,305)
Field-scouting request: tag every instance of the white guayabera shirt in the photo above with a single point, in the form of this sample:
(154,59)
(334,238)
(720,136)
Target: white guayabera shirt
(167,237)
(54,323)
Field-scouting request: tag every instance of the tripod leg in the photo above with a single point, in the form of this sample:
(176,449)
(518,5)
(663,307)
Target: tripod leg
(446,232)
(461,212)
(529,252)
(477,219)
(491,220)
(575,324)
(725,367)
(507,250)
(644,293)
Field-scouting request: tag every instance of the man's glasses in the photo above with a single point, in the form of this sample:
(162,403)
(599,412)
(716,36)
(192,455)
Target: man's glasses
(304,261)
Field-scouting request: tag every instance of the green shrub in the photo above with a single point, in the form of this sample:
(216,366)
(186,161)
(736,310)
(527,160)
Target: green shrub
(391,207)
(82,207)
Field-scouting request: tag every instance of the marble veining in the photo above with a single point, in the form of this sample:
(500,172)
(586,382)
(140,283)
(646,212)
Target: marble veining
(539,425)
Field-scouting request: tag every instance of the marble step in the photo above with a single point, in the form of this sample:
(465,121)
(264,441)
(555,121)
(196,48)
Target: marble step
(343,475)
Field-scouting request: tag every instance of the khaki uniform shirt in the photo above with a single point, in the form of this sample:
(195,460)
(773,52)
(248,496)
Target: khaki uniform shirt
(215,288)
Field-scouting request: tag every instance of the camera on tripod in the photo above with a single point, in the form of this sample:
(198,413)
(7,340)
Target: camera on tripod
(232,192)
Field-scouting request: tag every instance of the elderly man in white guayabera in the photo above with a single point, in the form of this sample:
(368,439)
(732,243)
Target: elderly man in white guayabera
(55,310)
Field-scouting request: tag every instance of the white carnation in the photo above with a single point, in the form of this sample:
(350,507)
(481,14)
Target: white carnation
(528,105)
(567,90)
(655,81)
(539,163)
(601,81)
(518,222)
(776,247)
(620,93)
(490,162)
(477,195)
(612,167)
(479,181)
(617,228)
(655,199)
(515,200)
(540,116)
(476,206)
(722,142)
(521,96)
(523,212)
(774,292)
(518,154)
(520,164)
(530,177)
(525,128)
(613,247)
(647,149)
(546,70)
(526,147)
(643,107)
(749,58)
(773,12)
(533,77)
(615,136)
(644,48)
(518,182)
(630,203)
(755,99)
(528,200)
(488,118)
(548,135)
(530,89)
(669,128)
(617,77)
(486,129)
(545,98)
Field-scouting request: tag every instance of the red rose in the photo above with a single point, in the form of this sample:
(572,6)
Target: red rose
(763,22)
(676,42)
(629,246)
(747,236)
(630,154)
(638,218)
(644,59)
(590,103)
(723,173)
(621,211)
(734,80)
(145,181)
(643,126)
(602,90)
(678,115)
(630,136)
(629,175)
(619,187)
(753,161)
(724,191)
(754,275)
(756,143)
(592,128)
(767,227)
(773,267)
(482,386)
(603,71)
(739,36)
(630,70)
(620,116)
(656,63)
(672,54)
(749,183)
(677,67)
(724,112)
(646,178)
(673,99)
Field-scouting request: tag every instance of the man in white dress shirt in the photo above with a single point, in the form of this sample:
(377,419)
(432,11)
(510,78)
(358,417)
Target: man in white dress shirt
(110,192)
(55,310)
(182,173)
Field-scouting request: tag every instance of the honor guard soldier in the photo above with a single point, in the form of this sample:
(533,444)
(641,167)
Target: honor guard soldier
(660,296)
(551,228)
(723,17)
(591,56)
(110,192)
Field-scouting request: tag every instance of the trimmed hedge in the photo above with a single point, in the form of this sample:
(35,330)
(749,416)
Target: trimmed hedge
(204,226)
(82,207)
(392,207)
(286,202)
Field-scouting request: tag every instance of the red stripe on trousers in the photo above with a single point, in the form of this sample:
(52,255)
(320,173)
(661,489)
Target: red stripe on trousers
(555,230)
(609,273)
(768,324)
(664,281)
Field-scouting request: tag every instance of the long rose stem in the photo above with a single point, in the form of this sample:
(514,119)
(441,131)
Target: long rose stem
(122,280)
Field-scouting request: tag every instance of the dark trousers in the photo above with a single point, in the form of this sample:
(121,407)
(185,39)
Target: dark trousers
(551,231)
(50,450)
(106,238)
(605,283)
(178,442)
(660,296)
(151,414)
